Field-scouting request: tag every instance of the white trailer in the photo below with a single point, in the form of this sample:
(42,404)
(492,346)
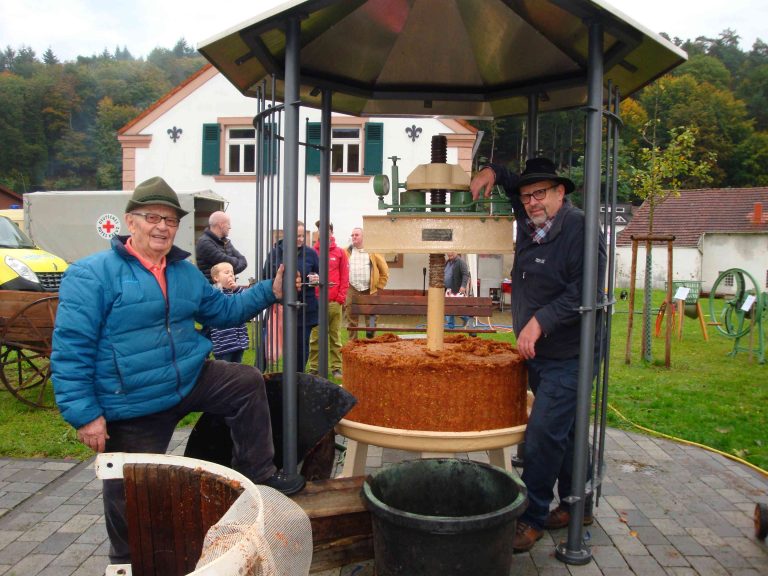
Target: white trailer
(73,224)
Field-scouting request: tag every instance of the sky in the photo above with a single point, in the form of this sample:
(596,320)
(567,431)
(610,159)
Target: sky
(74,28)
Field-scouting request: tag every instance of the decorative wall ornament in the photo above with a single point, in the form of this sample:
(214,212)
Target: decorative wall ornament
(413,132)
(174,133)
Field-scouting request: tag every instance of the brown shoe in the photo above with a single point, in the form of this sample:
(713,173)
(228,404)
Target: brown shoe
(560,518)
(525,537)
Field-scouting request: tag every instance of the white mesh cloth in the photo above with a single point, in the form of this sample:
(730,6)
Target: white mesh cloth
(264,533)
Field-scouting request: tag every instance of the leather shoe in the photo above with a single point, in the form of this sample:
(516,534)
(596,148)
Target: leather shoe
(561,517)
(525,537)
(286,483)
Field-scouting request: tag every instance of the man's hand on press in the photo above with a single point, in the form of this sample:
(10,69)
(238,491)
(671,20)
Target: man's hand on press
(94,434)
(484,182)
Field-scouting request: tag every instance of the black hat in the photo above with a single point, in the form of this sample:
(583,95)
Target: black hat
(538,169)
(154,191)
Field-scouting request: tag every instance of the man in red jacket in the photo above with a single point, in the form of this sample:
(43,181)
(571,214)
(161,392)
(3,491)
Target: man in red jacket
(338,283)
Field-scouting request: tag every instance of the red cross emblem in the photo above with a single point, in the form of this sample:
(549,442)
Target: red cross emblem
(107,225)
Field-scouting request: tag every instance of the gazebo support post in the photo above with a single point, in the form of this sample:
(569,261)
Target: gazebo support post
(574,550)
(290,230)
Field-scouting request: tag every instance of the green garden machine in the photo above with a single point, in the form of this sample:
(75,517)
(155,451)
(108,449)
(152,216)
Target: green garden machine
(740,313)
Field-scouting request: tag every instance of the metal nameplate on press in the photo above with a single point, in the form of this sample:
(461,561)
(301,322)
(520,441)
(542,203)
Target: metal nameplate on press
(437,234)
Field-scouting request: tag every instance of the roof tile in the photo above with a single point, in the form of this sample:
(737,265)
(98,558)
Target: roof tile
(694,212)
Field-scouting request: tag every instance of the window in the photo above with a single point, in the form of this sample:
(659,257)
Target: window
(230,148)
(355,149)
(727,280)
(241,151)
(345,150)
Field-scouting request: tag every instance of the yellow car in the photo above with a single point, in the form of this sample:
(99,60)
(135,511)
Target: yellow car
(24,266)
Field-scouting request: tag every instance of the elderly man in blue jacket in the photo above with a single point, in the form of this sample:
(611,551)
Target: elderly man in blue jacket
(127,363)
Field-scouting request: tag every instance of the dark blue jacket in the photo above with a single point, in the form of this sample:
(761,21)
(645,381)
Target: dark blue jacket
(308,262)
(211,250)
(120,349)
(547,277)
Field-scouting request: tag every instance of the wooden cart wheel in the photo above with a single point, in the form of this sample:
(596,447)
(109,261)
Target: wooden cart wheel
(761,521)
(26,347)
(26,374)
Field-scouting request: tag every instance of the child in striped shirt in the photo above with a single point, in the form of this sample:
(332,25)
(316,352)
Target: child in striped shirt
(228,343)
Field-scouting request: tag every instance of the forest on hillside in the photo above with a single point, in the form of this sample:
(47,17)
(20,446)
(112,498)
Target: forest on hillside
(59,120)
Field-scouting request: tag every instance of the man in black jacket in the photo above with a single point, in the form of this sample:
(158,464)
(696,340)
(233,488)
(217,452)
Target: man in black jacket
(456,283)
(214,247)
(546,297)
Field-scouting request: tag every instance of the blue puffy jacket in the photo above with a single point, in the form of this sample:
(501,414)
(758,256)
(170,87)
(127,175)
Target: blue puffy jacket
(120,349)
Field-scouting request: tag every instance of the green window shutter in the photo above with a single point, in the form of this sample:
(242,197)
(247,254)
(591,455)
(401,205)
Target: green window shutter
(374,148)
(211,149)
(313,154)
(269,148)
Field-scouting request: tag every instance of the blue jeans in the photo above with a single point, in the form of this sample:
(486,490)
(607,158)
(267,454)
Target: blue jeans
(234,391)
(549,436)
(450,321)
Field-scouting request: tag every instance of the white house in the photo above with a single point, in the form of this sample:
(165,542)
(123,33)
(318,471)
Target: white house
(201,136)
(715,230)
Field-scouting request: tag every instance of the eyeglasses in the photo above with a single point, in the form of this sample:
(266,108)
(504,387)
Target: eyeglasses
(538,194)
(151,218)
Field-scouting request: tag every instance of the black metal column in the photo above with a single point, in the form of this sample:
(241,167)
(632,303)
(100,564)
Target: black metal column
(290,230)
(533,126)
(574,550)
(325,218)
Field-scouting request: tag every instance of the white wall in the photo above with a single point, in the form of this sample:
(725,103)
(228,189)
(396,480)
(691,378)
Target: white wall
(180,164)
(686,265)
(747,251)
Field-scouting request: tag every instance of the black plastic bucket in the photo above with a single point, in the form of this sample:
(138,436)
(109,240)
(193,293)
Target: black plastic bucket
(443,517)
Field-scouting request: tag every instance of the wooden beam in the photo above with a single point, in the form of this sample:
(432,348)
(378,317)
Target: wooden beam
(341,525)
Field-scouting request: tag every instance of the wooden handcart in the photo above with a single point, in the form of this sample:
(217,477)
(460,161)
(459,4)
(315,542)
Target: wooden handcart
(26,331)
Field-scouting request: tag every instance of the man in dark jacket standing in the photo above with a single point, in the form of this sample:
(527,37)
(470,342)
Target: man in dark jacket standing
(127,363)
(308,268)
(456,283)
(546,297)
(214,246)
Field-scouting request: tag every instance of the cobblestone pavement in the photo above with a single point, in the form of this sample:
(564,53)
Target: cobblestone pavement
(666,509)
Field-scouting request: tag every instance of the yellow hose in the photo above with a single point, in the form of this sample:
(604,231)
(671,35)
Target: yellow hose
(682,441)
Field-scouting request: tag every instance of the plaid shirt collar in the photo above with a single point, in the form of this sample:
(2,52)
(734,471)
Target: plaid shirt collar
(539,232)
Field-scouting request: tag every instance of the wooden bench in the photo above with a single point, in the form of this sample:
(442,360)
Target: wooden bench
(414,303)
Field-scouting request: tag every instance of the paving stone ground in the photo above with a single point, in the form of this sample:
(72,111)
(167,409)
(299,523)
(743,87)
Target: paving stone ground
(667,509)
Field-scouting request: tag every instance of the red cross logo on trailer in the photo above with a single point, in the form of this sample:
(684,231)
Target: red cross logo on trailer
(108,225)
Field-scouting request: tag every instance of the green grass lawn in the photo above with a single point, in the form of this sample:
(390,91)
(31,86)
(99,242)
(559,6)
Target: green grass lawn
(706,396)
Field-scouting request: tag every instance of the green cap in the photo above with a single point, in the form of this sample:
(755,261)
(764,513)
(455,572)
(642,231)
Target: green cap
(154,191)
